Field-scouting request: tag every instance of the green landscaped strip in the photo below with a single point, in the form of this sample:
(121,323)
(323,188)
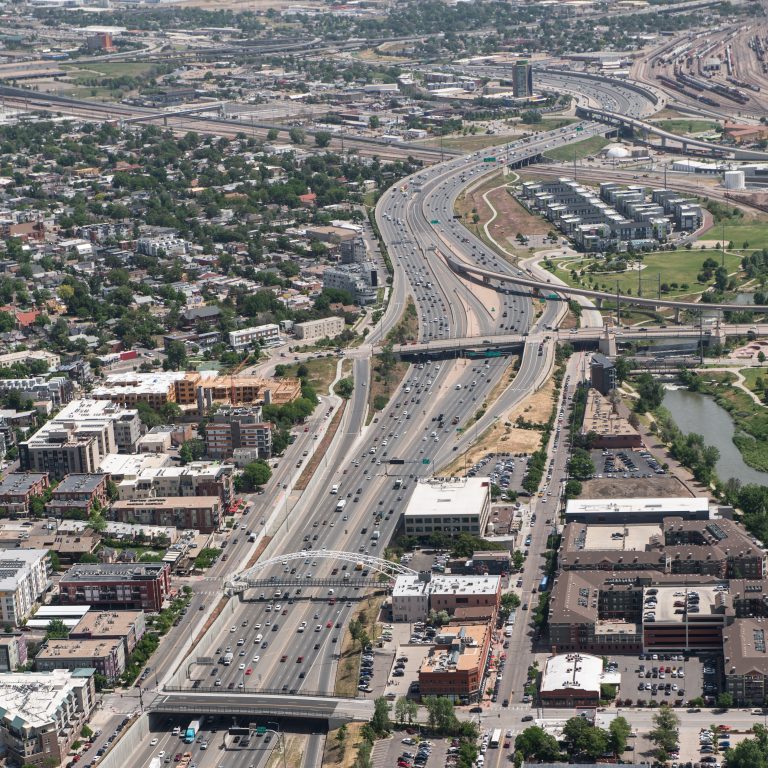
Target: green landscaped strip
(579,149)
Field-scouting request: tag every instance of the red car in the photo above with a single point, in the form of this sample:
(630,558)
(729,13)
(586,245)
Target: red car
(283,657)
(299,659)
(329,625)
(249,671)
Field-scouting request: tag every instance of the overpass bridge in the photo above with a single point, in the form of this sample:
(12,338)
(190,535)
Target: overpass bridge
(216,106)
(644,129)
(333,711)
(486,276)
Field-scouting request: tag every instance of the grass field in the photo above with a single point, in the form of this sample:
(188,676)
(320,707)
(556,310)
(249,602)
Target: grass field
(108,69)
(679,267)
(322,371)
(467,143)
(755,234)
(579,149)
(682,126)
(751,375)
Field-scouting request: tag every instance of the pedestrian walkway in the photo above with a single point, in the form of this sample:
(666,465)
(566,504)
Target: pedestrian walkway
(380,753)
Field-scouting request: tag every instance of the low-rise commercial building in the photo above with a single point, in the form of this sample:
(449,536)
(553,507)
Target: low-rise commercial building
(413,597)
(17,488)
(455,665)
(69,548)
(571,680)
(324,328)
(110,586)
(43,713)
(201,513)
(606,428)
(641,510)
(106,656)
(450,506)
(198,478)
(25,576)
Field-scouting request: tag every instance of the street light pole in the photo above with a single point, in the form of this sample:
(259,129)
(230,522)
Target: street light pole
(280,738)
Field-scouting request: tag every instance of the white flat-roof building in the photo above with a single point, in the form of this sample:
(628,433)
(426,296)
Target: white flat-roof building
(24,578)
(43,713)
(125,466)
(414,596)
(450,505)
(325,327)
(572,679)
(636,510)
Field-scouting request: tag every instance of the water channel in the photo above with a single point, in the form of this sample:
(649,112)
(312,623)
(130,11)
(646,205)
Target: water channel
(694,412)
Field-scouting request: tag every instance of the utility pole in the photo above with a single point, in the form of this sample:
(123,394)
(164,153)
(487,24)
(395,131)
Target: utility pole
(618,306)
(722,260)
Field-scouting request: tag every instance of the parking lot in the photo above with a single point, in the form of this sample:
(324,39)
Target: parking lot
(626,463)
(506,470)
(660,678)
(389,753)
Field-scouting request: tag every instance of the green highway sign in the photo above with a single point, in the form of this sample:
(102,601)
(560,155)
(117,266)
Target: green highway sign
(261,730)
(489,159)
(425,461)
(579,128)
(435,221)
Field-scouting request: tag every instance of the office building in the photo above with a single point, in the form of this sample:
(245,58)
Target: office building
(231,429)
(17,488)
(79,437)
(450,506)
(117,586)
(413,597)
(24,579)
(198,478)
(200,513)
(572,680)
(455,665)
(359,280)
(324,328)
(522,80)
(106,656)
(43,714)
(265,335)
(78,494)
(602,373)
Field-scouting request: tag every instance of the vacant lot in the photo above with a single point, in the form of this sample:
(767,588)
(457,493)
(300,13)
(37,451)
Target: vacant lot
(320,372)
(628,488)
(682,126)
(577,150)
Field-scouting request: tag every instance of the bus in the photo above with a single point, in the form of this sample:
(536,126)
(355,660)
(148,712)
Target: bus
(544,583)
(340,506)
(495,738)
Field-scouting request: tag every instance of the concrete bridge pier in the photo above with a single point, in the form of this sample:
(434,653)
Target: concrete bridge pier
(677,315)
(607,343)
(599,302)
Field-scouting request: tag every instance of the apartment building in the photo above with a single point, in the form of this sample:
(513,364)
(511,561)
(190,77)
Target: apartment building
(232,429)
(266,335)
(59,390)
(13,651)
(43,713)
(126,626)
(17,488)
(198,478)
(24,579)
(78,493)
(117,586)
(78,438)
(106,656)
(359,280)
(201,513)
(324,328)
(745,662)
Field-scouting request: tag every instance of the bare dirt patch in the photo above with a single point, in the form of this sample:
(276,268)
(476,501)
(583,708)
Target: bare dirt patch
(656,487)
(342,755)
(512,218)
(503,436)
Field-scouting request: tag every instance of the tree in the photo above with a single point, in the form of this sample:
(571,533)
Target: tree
(666,731)
(272,134)
(380,720)
(651,393)
(192,450)
(176,354)
(345,388)
(572,489)
(254,475)
(619,731)
(761,357)
(297,135)
(374,122)
(96,521)
(322,139)
(536,743)
(725,700)
(581,466)
(747,754)
(341,737)
(623,367)
(441,715)
(585,738)
(56,630)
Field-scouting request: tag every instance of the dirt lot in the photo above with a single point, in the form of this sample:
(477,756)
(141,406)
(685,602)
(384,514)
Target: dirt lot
(627,488)
(342,753)
(500,437)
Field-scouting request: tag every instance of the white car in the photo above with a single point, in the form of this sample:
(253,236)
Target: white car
(242,667)
(153,743)
(255,659)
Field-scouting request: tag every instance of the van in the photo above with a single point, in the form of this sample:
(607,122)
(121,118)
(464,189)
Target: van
(176,731)
(334,489)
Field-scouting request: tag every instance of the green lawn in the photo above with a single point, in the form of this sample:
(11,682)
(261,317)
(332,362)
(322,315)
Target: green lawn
(679,267)
(756,235)
(683,126)
(579,149)
(750,376)
(108,68)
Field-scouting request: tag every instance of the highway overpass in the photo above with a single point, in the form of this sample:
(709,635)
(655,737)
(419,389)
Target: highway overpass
(331,710)
(643,129)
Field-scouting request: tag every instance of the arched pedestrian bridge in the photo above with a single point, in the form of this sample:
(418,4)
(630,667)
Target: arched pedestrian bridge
(255,576)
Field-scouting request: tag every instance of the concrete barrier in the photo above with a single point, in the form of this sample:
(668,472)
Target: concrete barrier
(123,753)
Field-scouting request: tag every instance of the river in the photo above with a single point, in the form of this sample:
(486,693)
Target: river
(694,412)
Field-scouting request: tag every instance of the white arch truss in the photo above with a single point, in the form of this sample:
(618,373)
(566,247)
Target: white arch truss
(240,580)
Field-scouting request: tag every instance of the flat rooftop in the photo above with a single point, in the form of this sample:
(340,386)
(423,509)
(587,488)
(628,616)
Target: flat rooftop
(462,497)
(33,698)
(627,538)
(107,623)
(599,417)
(462,651)
(447,585)
(78,649)
(675,505)
(580,671)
